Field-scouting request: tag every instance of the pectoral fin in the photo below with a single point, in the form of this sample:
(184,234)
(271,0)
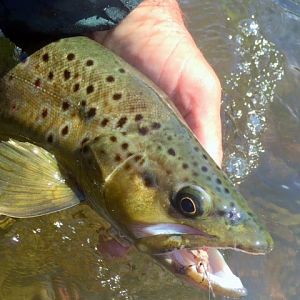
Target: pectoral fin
(30,181)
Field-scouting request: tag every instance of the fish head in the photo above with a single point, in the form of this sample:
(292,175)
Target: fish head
(176,200)
(176,189)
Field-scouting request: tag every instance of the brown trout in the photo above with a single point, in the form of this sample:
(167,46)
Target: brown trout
(77,122)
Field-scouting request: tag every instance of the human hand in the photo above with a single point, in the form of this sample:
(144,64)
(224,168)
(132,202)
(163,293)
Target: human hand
(154,39)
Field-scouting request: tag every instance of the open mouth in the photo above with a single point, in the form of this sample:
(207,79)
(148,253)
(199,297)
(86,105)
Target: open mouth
(205,268)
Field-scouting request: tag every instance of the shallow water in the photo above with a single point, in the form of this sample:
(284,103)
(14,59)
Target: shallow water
(254,47)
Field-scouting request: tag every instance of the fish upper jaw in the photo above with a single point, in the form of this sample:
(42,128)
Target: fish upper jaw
(158,238)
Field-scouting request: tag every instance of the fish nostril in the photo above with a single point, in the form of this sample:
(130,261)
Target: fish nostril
(234,216)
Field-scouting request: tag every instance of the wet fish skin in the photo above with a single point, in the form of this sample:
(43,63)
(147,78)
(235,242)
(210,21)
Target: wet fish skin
(121,140)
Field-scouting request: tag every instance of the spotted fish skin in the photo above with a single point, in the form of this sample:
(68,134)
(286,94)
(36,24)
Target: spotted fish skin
(74,96)
(125,145)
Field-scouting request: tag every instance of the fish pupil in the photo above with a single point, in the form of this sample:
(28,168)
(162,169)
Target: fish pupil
(190,202)
(187,205)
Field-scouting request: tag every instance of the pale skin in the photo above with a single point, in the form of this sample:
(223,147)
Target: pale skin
(154,39)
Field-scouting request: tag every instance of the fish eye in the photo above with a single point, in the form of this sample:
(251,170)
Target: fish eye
(191,201)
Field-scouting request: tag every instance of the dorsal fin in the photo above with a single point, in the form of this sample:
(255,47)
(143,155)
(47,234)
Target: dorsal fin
(30,181)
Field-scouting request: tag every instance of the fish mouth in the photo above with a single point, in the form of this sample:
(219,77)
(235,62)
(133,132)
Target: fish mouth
(205,268)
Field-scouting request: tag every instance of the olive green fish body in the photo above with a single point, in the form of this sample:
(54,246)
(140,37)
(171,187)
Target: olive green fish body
(112,133)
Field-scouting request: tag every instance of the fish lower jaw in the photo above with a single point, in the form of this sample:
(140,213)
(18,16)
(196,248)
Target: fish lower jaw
(207,269)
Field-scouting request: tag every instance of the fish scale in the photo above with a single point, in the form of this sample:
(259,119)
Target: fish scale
(97,127)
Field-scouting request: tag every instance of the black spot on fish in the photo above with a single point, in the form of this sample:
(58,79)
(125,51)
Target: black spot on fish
(208,178)
(89,62)
(143,130)
(218,181)
(195,174)
(204,169)
(44,113)
(127,166)
(195,164)
(65,105)
(70,56)
(117,96)
(50,138)
(76,87)
(205,156)
(45,57)
(137,157)
(91,112)
(110,78)
(118,158)
(113,138)
(171,151)
(124,146)
(218,189)
(138,117)
(83,103)
(170,138)
(65,130)
(37,82)
(50,75)
(67,74)
(90,89)
(149,179)
(122,121)
(121,70)
(104,122)
(196,149)
(250,213)
(155,125)
(10,77)
(185,166)
(226,190)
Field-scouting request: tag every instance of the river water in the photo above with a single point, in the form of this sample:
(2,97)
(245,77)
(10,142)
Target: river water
(254,47)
